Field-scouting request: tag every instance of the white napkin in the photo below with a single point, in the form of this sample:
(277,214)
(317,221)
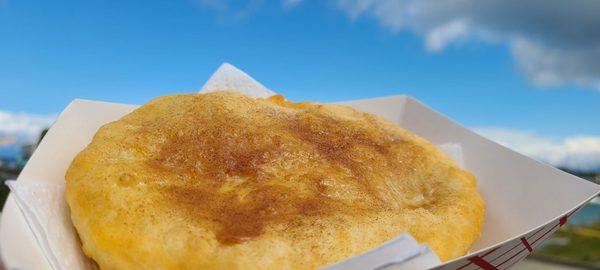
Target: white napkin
(46,212)
(229,78)
(400,253)
(47,215)
(454,150)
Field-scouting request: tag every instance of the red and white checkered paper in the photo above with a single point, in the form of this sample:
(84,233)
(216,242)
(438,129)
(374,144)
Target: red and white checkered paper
(510,253)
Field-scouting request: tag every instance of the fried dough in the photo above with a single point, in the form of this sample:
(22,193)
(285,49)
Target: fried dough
(224,181)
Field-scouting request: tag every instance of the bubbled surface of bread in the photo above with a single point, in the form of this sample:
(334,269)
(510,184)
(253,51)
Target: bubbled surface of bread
(223,181)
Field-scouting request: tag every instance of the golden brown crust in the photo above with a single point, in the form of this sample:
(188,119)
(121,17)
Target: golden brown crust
(221,180)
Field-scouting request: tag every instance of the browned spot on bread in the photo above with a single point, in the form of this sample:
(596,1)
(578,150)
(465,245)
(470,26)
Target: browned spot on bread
(335,140)
(237,219)
(213,154)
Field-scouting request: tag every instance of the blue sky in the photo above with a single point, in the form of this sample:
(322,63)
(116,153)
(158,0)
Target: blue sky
(132,51)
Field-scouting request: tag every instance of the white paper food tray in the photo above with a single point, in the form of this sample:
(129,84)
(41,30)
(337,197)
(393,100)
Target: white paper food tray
(525,200)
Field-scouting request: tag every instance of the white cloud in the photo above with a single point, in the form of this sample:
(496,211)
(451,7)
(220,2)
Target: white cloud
(574,152)
(547,66)
(440,36)
(553,42)
(22,127)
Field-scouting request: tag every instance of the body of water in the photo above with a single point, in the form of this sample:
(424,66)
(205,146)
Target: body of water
(589,214)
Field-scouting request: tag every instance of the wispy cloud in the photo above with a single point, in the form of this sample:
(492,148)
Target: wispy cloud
(22,127)
(553,42)
(574,152)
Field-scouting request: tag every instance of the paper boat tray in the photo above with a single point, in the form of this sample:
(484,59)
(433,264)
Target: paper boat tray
(526,201)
